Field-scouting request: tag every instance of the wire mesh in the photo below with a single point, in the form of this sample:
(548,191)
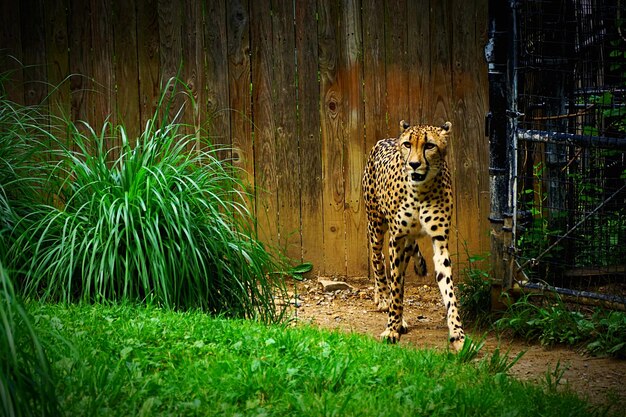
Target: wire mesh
(571,69)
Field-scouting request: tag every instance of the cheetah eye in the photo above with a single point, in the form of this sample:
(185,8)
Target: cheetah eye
(430,145)
(406,144)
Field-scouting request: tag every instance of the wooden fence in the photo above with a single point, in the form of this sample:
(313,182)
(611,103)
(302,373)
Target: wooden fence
(300,89)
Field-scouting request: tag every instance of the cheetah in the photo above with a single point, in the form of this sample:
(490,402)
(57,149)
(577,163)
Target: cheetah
(407,192)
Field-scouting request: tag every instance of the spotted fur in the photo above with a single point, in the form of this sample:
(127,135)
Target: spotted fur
(407,193)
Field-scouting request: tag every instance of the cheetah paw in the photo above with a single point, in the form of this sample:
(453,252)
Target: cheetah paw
(390,336)
(404,328)
(457,343)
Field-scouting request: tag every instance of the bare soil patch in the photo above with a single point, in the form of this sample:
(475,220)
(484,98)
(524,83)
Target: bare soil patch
(601,380)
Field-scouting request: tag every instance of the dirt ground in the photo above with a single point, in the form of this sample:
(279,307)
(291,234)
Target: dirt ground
(601,380)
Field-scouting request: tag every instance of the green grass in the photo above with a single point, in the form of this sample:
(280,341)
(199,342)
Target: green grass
(125,360)
(160,220)
(26,380)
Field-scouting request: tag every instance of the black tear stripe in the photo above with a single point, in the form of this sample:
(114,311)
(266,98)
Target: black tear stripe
(424,151)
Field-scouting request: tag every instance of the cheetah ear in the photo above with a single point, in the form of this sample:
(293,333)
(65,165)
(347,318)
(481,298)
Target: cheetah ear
(404,125)
(446,127)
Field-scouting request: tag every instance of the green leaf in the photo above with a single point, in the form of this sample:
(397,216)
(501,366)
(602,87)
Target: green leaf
(302,268)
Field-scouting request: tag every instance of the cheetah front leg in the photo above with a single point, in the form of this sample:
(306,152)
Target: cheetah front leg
(381,289)
(398,259)
(443,272)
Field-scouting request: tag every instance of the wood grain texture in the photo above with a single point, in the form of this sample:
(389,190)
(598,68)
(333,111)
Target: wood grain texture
(468,97)
(397,66)
(479,108)
(81,85)
(265,168)
(148,61)
(333,146)
(418,57)
(440,106)
(191,68)
(216,102)
(171,56)
(127,91)
(323,80)
(308,129)
(374,85)
(374,79)
(103,71)
(288,167)
(352,120)
(238,21)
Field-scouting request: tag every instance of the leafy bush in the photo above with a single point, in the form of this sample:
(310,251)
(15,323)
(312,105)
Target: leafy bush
(475,293)
(609,333)
(601,332)
(26,384)
(165,222)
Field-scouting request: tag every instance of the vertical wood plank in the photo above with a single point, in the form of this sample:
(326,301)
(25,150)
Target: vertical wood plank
(56,15)
(418,56)
(148,60)
(127,92)
(333,147)
(170,55)
(375,88)
(440,105)
(102,63)
(352,117)
(374,58)
(288,167)
(265,169)
(469,95)
(397,71)
(309,134)
(81,84)
(481,107)
(11,47)
(419,88)
(216,103)
(191,71)
(33,52)
(238,21)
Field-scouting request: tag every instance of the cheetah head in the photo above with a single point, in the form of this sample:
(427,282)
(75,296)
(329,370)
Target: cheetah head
(423,150)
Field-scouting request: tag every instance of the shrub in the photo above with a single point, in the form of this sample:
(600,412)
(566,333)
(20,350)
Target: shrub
(602,332)
(475,293)
(165,222)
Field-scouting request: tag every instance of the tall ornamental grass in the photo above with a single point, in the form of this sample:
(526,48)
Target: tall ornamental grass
(26,384)
(164,222)
(24,155)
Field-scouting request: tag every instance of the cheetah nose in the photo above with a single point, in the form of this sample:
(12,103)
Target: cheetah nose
(415,165)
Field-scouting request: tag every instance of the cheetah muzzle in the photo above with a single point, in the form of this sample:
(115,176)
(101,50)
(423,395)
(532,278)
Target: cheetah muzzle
(407,192)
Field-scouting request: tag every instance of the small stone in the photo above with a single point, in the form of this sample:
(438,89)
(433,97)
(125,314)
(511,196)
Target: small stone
(332,286)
